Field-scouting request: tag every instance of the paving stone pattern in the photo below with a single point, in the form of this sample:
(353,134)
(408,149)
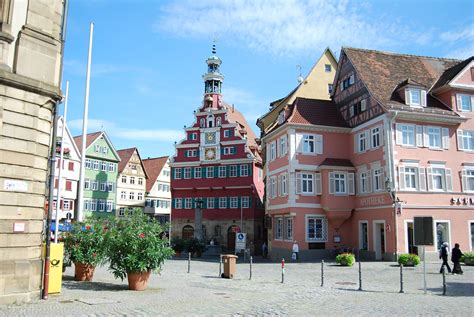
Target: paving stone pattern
(202,293)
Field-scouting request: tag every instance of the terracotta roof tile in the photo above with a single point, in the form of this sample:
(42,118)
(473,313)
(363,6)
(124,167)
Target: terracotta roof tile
(450,73)
(316,112)
(337,162)
(91,137)
(153,167)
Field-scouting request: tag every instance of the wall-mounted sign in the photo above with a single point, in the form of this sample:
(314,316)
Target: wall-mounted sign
(462,201)
(372,201)
(15,185)
(18,227)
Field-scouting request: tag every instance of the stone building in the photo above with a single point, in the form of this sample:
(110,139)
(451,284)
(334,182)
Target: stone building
(30,76)
(131,181)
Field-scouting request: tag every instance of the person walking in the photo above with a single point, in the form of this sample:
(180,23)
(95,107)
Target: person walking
(264,250)
(443,254)
(456,255)
(296,250)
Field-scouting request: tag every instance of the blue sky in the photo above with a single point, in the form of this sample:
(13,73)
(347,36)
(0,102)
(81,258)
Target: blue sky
(149,56)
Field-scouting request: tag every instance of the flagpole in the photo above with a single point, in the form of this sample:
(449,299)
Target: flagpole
(61,165)
(84,129)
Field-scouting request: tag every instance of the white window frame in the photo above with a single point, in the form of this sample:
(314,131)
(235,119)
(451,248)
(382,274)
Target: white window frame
(222,171)
(94,185)
(187,173)
(197,172)
(324,228)
(132,180)
(244,170)
(210,172)
(222,202)
(284,184)
(227,133)
(177,173)
(362,142)
(327,68)
(273,189)
(88,164)
(341,179)
(375,137)
(459,102)
(245,202)
(307,179)
(101,205)
(361,246)
(288,221)
(178,203)
(110,205)
(273,151)
(123,195)
(434,135)
(465,140)
(278,228)
(210,203)
(233,202)
(412,171)
(188,203)
(435,233)
(233,171)
(95,165)
(308,140)
(131,195)
(408,130)
(466,175)
(378,179)
(283,142)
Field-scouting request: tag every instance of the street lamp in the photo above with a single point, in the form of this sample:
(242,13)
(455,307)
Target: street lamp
(198,219)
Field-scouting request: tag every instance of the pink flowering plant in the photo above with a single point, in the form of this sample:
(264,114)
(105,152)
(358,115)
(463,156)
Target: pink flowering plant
(85,243)
(137,243)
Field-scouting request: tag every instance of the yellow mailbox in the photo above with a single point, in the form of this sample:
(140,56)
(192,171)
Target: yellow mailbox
(56,258)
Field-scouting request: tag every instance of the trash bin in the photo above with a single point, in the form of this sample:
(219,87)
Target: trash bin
(230,262)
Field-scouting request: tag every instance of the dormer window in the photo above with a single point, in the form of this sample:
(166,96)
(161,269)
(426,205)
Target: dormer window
(281,117)
(415,97)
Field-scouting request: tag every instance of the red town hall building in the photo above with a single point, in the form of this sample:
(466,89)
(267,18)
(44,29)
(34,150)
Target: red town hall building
(218,166)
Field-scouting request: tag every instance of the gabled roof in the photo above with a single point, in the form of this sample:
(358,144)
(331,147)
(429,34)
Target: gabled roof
(153,167)
(91,138)
(125,155)
(315,112)
(382,72)
(61,118)
(450,73)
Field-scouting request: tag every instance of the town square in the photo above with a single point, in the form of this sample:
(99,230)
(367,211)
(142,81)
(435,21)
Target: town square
(236,158)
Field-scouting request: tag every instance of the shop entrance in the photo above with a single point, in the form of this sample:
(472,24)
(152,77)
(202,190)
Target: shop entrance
(413,249)
(379,239)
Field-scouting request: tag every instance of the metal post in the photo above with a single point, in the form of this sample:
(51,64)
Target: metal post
(220,265)
(401,278)
(322,273)
(424,270)
(251,260)
(282,270)
(444,281)
(189,261)
(360,276)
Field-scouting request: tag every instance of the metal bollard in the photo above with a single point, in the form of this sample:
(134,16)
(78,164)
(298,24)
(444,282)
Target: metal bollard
(401,279)
(251,261)
(322,273)
(282,270)
(444,281)
(189,261)
(360,277)
(220,265)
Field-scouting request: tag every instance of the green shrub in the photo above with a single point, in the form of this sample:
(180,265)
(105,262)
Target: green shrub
(177,244)
(345,259)
(137,243)
(85,243)
(469,256)
(408,259)
(194,245)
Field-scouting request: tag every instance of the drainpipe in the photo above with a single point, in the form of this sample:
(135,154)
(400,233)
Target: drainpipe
(391,171)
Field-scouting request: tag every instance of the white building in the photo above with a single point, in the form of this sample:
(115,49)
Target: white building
(158,191)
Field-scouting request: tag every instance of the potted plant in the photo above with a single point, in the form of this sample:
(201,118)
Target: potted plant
(178,245)
(408,259)
(345,259)
(195,246)
(84,245)
(137,245)
(468,258)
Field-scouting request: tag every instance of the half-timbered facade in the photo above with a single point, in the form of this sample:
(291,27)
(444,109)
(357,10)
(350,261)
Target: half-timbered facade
(404,149)
(217,167)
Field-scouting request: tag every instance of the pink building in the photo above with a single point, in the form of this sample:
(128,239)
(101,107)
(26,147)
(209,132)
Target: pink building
(218,167)
(396,141)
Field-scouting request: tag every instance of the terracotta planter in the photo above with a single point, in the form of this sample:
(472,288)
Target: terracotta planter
(177,253)
(138,281)
(83,272)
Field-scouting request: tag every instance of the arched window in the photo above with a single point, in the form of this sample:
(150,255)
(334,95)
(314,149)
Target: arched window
(217,231)
(210,121)
(218,122)
(188,232)
(202,123)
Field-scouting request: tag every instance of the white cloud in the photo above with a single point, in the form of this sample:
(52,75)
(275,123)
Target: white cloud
(460,42)
(127,133)
(78,68)
(286,27)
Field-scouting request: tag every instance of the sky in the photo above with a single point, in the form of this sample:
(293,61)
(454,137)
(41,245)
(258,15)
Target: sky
(149,56)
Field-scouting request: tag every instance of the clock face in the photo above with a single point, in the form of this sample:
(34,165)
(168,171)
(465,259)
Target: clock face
(210,154)
(210,137)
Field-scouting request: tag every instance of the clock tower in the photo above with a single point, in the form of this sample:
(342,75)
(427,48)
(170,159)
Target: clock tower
(217,167)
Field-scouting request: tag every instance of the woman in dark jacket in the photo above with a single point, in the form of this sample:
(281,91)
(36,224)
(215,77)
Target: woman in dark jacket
(456,255)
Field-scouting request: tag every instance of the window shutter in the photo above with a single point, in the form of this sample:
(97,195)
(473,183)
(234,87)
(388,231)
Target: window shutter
(185,153)
(331,183)
(421,179)
(459,102)
(319,144)
(426,139)
(277,148)
(239,202)
(369,181)
(287,181)
(419,135)
(216,202)
(204,203)
(192,172)
(299,142)
(381,135)
(234,149)
(445,138)
(268,152)
(367,140)
(423,98)
(228,201)
(298,183)
(358,183)
(398,129)
(351,79)
(472,102)
(449,180)
(250,169)
(317,182)
(350,177)
(460,141)
(356,143)
(401,177)
(407,96)
(429,175)
(216,171)
(279,186)
(465,188)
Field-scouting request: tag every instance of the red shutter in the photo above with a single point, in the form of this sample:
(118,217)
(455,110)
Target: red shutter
(71,166)
(68,185)
(55,183)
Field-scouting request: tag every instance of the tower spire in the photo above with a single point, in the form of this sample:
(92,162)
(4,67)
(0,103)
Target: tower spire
(213,80)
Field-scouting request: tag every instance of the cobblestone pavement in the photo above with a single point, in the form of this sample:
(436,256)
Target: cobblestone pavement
(202,293)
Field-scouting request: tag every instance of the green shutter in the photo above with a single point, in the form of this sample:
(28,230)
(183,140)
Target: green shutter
(173,170)
(227,171)
(250,169)
(222,150)
(192,172)
(228,202)
(193,203)
(204,172)
(216,171)
(239,202)
(238,170)
(216,202)
(173,203)
(234,149)
(185,153)
(250,202)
